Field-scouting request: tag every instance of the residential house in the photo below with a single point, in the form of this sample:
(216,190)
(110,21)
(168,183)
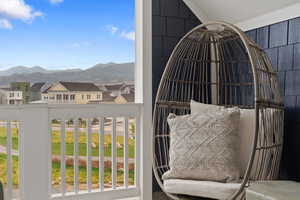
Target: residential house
(106,98)
(127,88)
(36,91)
(119,88)
(102,87)
(11,97)
(124,98)
(120,99)
(24,87)
(72,93)
(116,93)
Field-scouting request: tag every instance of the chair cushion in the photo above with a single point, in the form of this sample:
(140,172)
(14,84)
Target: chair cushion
(246,130)
(207,189)
(204,146)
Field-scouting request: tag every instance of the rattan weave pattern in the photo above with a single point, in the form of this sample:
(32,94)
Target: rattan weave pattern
(216,63)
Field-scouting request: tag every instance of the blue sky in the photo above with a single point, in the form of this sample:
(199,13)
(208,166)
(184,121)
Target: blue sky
(58,34)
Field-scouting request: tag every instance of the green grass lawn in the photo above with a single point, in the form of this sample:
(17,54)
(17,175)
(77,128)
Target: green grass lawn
(83,175)
(82,146)
(14,137)
(56,145)
(3,169)
(56,148)
(69,173)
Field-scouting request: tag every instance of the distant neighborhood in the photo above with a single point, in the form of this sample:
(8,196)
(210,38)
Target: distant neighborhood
(63,92)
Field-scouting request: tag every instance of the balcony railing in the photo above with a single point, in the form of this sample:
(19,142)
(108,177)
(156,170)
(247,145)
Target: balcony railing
(70,151)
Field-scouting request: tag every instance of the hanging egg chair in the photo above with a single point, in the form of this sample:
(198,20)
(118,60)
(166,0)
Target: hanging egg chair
(216,63)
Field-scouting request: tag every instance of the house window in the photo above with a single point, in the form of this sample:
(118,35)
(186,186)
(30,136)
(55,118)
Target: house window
(58,97)
(72,97)
(99,96)
(82,97)
(88,97)
(11,94)
(66,97)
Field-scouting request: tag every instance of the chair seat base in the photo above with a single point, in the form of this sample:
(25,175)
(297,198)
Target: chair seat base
(207,189)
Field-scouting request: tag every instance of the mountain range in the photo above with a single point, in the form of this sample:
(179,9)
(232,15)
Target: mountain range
(100,73)
(30,70)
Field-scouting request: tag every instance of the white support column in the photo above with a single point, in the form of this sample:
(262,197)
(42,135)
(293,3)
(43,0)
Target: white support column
(35,152)
(143,86)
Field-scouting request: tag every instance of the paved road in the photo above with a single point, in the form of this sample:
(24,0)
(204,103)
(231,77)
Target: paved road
(95,158)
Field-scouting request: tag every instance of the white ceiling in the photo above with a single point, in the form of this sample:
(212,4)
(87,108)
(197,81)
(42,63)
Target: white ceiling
(244,11)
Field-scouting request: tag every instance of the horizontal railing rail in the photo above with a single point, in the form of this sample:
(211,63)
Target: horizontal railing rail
(13,112)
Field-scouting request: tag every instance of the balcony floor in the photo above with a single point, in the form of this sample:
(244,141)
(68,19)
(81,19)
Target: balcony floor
(156,196)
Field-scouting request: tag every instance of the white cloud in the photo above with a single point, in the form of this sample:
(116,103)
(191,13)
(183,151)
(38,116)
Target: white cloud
(128,35)
(112,29)
(18,9)
(124,34)
(56,1)
(5,24)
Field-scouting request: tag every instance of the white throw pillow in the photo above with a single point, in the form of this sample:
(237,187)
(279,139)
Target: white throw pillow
(204,146)
(246,130)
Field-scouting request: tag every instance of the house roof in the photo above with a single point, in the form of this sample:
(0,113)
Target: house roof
(80,86)
(5,89)
(9,89)
(112,87)
(102,87)
(77,87)
(106,97)
(132,89)
(129,97)
(130,86)
(44,91)
(37,87)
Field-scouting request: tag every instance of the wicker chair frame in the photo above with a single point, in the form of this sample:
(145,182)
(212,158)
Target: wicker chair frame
(216,63)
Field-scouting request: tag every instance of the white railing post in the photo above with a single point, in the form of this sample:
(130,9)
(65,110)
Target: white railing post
(35,146)
(9,192)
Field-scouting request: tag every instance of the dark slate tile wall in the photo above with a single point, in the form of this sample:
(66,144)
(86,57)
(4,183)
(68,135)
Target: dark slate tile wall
(172,19)
(281,41)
